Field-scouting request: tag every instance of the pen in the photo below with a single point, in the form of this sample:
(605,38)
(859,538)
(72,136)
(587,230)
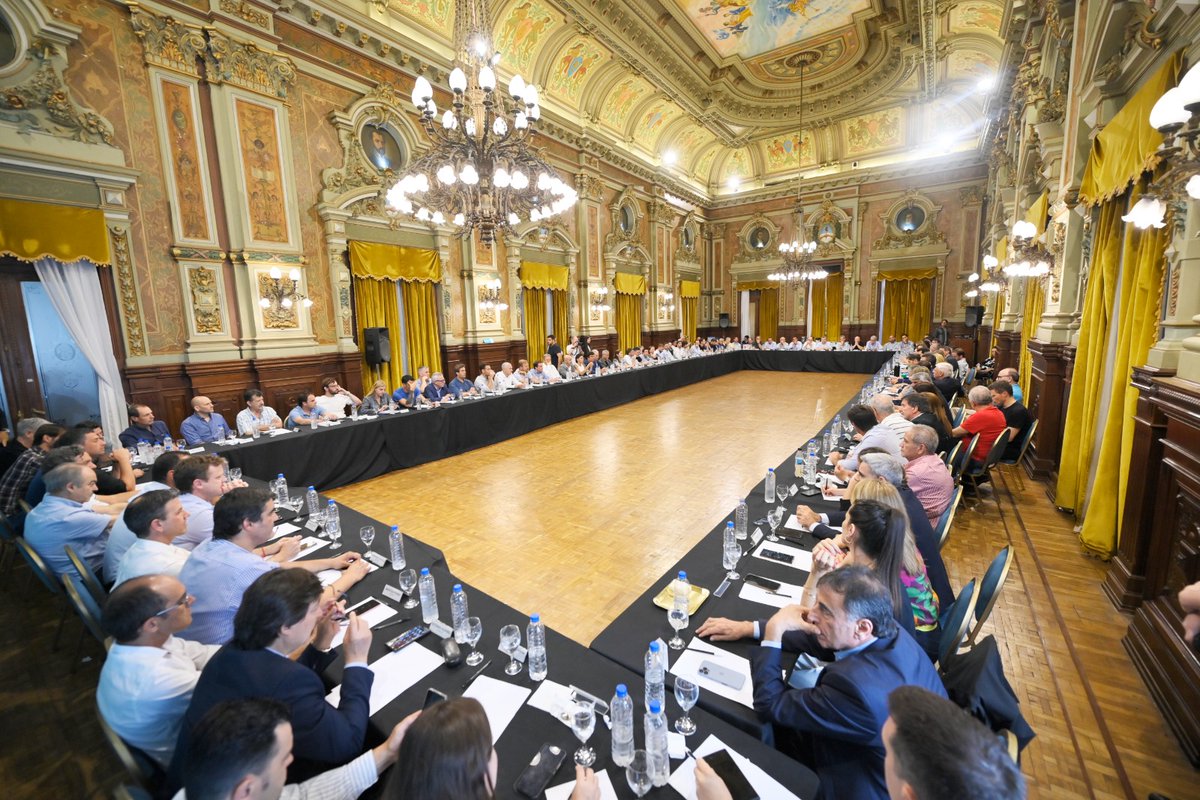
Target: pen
(702,650)
(478,672)
(393,622)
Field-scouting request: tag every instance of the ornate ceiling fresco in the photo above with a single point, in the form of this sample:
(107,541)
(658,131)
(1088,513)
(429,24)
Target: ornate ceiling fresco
(710,89)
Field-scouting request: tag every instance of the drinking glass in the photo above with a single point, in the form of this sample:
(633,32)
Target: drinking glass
(781,492)
(583,722)
(333,529)
(235,473)
(367,534)
(510,640)
(773,519)
(408,582)
(686,694)
(474,628)
(731,554)
(677,618)
(181,444)
(638,773)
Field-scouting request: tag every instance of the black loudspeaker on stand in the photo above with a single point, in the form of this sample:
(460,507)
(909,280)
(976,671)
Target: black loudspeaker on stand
(376,347)
(975,316)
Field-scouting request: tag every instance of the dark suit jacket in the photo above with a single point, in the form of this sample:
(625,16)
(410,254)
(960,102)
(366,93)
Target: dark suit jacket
(325,736)
(946,442)
(949,388)
(844,713)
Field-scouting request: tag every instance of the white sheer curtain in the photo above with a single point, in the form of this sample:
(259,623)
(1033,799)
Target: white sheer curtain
(74,289)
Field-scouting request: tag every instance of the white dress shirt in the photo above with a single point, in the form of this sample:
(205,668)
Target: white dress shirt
(144,692)
(896,422)
(120,538)
(333,407)
(199,524)
(148,557)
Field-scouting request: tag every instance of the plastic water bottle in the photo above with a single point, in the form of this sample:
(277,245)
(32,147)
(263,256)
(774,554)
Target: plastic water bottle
(280,488)
(741,519)
(769,488)
(425,587)
(656,744)
(655,674)
(458,613)
(535,640)
(799,464)
(683,590)
(312,501)
(621,712)
(396,545)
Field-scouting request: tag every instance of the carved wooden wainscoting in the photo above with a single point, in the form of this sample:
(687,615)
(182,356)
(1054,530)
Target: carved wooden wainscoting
(1046,398)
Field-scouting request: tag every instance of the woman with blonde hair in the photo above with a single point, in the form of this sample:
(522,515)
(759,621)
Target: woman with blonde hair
(376,400)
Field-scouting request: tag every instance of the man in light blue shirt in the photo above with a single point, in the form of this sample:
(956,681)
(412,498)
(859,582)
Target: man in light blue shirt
(874,435)
(204,425)
(1009,374)
(257,415)
(61,519)
(305,412)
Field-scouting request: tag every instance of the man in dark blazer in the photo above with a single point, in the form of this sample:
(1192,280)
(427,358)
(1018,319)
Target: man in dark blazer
(278,615)
(841,717)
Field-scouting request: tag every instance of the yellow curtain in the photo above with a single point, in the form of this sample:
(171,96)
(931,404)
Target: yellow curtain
(421,325)
(1035,304)
(628,283)
(535,275)
(389,262)
(1084,403)
(1039,211)
(689,303)
(376,306)
(827,307)
(907,306)
(535,324)
(689,289)
(768,313)
(562,321)
(1138,316)
(749,286)
(1127,146)
(29,231)
(1001,297)
(629,321)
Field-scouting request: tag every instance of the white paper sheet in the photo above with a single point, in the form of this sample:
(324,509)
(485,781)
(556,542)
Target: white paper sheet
(803,558)
(676,745)
(687,665)
(607,791)
(793,523)
(683,780)
(394,674)
(553,698)
(376,615)
(309,544)
(501,701)
(284,528)
(279,431)
(754,594)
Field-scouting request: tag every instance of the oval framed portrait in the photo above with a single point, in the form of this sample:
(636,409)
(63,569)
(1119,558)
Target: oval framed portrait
(381,147)
(759,238)
(909,218)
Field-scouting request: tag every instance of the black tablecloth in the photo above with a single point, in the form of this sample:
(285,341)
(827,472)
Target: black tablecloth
(354,451)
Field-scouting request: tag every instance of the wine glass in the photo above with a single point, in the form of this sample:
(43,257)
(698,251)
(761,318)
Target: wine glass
(731,554)
(474,630)
(510,640)
(677,617)
(583,722)
(235,473)
(367,534)
(781,492)
(333,529)
(638,773)
(408,582)
(686,694)
(773,519)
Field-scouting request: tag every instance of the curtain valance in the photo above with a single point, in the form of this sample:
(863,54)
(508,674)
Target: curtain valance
(536,275)
(29,231)
(628,283)
(916,274)
(750,286)
(390,262)
(689,288)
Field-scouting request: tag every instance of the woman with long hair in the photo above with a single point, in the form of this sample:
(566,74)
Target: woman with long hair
(376,400)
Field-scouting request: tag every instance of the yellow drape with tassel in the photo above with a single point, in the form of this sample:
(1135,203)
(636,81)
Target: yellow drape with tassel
(768,313)
(535,324)
(562,318)
(826,299)
(907,307)
(1138,316)
(376,306)
(689,304)
(1035,304)
(1084,403)
(629,320)
(421,325)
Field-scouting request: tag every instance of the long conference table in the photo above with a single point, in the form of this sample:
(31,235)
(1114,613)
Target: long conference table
(351,450)
(519,728)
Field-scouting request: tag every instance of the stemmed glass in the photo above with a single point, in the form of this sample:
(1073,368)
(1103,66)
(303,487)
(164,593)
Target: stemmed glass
(333,529)
(367,534)
(774,517)
(677,618)
(781,492)
(408,582)
(686,694)
(510,640)
(583,722)
(638,773)
(474,630)
(731,554)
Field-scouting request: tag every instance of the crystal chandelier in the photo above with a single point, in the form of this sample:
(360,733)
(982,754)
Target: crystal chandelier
(481,172)
(797,254)
(1029,259)
(1176,116)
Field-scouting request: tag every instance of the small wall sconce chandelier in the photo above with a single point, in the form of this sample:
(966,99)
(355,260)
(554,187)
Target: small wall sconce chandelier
(666,302)
(489,295)
(280,292)
(599,299)
(1176,116)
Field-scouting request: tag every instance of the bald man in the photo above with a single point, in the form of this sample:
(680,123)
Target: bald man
(204,425)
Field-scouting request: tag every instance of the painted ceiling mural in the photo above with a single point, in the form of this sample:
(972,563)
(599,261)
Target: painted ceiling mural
(620,102)
(781,152)
(570,69)
(520,31)
(750,28)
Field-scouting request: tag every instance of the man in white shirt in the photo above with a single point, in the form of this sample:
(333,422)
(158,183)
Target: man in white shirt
(546,371)
(149,674)
(257,415)
(873,344)
(201,483)
(157,518)
(120,539)
(335,399)
(888,415)
(505,380)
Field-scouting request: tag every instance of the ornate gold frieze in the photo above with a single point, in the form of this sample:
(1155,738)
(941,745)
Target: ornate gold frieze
(167,42)
(246,65)
(43,102)
(246,13)
(206,301)
(131,313)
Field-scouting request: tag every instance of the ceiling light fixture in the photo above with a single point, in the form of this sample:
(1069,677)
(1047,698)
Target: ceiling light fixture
(797,254)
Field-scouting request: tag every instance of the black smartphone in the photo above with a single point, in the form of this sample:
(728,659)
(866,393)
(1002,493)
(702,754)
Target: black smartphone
(723,764)
(534,779)
(763,583)
(433,697)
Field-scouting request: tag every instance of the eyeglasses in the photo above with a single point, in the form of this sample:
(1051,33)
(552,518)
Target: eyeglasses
(186,600)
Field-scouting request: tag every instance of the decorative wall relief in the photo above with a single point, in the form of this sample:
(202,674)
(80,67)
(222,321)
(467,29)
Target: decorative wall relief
(186,162)
(127,295)
(168,43)
(204,291)
(275,316)
(246,65)
(262,171)
(37,99)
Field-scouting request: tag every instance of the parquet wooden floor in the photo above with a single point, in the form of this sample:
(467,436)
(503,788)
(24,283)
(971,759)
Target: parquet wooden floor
(576,519)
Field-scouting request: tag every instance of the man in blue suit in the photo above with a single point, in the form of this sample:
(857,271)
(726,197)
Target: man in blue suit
(278,615)
(841,717)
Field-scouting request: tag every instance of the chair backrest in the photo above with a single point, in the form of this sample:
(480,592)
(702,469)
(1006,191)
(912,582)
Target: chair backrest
(943,528)
(23,504)
(43,573)
(958,465)
(7,534)
(997,452)
(90,581)
(1025,440)
(949,458)
(989,588)
(959,413)
(970,377)
(140,767)
(955,624)
(88,611)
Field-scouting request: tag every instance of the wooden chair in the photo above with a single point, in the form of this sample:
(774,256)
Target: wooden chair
(949,458)
(1016,462)
(958,464)
(989,590)
(145,772)
(90,582)
(974,476)
(38,568)
(943,528)
(956,622)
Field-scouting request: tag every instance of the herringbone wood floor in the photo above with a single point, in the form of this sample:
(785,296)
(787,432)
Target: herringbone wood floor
(577,519)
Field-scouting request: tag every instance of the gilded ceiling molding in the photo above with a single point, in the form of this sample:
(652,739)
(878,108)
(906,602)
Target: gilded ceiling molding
(43,102)
(247,66)
(246,13)
(167,42)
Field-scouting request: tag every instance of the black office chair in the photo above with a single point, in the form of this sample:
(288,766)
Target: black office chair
(1015,462)
(143,770)
(989,590)
(976,474)
(943,529)
(956,622)
(959,463)
(8,549)
(89,614)
(38,568)
(88,577)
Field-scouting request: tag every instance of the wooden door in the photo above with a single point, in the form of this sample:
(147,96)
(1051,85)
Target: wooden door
(17,364)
